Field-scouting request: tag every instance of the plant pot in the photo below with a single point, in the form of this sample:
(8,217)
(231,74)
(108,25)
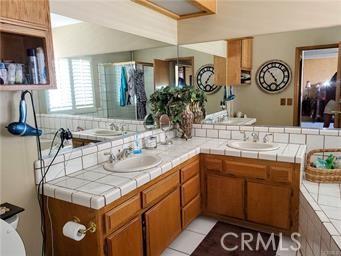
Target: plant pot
(198,114)
(187,123)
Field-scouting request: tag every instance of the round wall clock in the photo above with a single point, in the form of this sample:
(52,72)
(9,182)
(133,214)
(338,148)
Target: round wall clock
(205,79)
(273,76)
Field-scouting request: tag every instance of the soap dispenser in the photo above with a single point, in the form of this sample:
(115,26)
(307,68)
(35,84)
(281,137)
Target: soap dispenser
(137,145)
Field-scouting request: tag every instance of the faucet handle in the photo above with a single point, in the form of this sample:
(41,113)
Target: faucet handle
(266,137)
(112,157)
(245,137)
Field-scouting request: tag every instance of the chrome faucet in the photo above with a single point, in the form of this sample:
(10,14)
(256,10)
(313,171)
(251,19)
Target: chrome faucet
(112,157)
(124,153)
(114,126)
(245,137)
(266,138)
(255,137)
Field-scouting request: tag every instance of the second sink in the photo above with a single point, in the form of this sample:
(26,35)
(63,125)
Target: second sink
(134,164)
(252,146)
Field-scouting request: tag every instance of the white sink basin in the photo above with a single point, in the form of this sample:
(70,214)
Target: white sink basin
(252,146)
(106,132)
(134,164)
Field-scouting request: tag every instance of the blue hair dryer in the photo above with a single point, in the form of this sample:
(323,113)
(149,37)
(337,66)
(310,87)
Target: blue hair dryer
(21,128)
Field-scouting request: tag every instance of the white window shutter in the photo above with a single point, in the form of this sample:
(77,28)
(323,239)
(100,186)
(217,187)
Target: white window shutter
(60,99)
(82,83)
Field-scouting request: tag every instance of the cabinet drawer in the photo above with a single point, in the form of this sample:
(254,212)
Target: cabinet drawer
(189,171)
(190,190)
(281,174)
(160,189)
(191,211)
(213,164)
(249,170)
(121,214)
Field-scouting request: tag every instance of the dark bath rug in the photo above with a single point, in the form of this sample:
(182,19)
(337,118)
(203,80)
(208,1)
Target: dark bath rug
(211,245)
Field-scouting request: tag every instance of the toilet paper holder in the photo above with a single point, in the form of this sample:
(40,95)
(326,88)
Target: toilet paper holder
(91,227)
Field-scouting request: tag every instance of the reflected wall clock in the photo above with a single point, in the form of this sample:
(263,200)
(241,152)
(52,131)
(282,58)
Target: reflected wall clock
(273,76)
(205,79)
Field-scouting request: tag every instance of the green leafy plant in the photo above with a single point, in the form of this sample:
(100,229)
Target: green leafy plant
(173,101)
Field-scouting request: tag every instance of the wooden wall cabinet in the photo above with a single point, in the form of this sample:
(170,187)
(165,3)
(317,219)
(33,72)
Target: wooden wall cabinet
(219,64)
(26,24)
(257,193)
(239,61)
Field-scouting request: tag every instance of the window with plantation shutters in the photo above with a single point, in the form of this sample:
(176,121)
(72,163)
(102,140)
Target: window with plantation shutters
(61,98)
(82,83)
(75,92)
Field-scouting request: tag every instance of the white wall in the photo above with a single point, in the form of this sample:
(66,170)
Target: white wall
(249,18)
(17,181)
(200,59)
(89,39)
(123,15)
(265,107)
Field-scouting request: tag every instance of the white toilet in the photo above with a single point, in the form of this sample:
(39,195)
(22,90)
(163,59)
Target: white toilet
(10,241)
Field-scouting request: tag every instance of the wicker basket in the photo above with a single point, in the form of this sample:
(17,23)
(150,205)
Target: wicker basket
(322,175)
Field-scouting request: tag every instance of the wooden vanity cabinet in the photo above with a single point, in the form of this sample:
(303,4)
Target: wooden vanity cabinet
(269,204)
(256,193)
(126,241)
(225,195)
(142,222)
(163,223)
(190,192)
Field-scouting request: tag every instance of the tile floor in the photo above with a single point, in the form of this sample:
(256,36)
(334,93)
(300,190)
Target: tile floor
(192,236)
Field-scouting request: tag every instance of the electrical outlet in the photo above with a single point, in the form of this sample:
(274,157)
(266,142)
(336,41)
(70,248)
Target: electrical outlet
(289,101)
(282,101)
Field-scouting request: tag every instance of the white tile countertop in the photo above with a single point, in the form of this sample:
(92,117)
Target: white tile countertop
(91,135)
(95,187)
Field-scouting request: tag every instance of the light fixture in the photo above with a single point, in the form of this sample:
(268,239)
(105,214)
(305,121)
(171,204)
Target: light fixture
(181,9)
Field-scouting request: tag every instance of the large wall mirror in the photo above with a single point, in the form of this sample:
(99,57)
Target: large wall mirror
(293,78)
(104,81)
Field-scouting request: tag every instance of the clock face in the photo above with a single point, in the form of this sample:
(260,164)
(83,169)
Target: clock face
(205,79)
(273,76)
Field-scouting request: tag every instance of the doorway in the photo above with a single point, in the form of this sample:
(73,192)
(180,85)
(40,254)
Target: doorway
(317,87)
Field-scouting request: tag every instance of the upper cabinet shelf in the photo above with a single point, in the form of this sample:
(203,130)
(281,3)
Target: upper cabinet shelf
(239,61)
(25,25)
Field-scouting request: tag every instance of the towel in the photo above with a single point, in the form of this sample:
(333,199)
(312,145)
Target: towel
(123,87)
(131,87)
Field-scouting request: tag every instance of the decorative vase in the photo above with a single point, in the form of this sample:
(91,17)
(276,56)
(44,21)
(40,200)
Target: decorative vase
(198,114)
(187,123)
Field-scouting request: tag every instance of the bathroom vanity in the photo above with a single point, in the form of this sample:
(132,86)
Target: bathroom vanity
(143,222)
(201,176)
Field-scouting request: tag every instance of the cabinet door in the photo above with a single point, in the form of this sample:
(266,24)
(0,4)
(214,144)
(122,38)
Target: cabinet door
(234,51)
(268,204)
(225,196)
(31,11)
(246,54)
(161,73)
(127,241)
(163,223)
(219,70)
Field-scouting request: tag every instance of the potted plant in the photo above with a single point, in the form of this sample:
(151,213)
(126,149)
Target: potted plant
(178,103)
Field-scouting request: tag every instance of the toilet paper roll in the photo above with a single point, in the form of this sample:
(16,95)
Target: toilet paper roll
(72,229)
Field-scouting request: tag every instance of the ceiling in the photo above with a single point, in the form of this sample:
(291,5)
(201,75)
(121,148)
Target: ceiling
(321,53)
(60,21)
(233,18)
